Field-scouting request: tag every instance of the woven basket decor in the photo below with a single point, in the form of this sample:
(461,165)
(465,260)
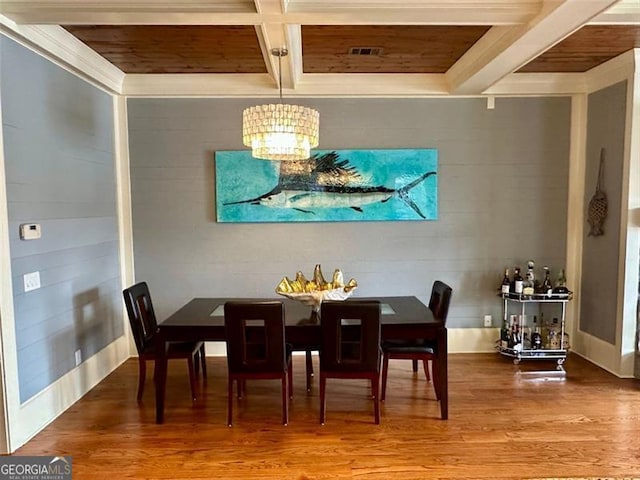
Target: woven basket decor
(598,203)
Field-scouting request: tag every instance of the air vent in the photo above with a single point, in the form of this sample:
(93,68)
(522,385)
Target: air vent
(365,51)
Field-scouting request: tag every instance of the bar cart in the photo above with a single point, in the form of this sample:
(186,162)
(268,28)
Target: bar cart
(516,335)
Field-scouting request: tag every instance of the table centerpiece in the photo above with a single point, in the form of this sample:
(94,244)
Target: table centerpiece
(314,292)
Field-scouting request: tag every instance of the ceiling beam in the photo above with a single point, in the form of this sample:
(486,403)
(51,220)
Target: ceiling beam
(276,36)
(626,12)
(246,12)
(504,50)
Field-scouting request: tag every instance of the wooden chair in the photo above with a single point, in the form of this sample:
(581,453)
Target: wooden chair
(144,325)
(256,348)
(421,349)
(350,346)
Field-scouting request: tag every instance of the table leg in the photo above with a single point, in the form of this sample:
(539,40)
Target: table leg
(443,380)
(160,375)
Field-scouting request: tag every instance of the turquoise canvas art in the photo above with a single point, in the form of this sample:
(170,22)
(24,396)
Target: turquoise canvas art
(331,186)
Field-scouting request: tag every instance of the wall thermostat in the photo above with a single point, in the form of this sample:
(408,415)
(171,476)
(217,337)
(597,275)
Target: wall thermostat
(30,231)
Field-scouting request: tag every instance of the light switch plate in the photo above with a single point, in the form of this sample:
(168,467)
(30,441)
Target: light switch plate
(30,231)
(31,281)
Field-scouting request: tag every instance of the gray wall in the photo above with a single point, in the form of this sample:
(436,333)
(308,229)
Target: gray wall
(59,157)
(502,200)
(605,128)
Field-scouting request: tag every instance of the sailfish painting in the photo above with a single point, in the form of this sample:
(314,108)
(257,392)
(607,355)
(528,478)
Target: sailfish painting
(332,185)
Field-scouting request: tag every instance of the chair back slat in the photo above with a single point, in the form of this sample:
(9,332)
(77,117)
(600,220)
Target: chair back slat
(440,300)
(142,317)
(255,336)
(350,336)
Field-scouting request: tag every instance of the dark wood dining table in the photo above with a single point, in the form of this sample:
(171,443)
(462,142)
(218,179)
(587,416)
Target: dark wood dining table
(202,319)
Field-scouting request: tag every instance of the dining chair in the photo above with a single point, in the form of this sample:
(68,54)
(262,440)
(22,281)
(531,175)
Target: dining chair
(144,325)
(350,346)
(420,349)
(256,348)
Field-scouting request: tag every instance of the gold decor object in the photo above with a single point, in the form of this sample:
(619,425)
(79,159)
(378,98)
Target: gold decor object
(598,204)
(313,292)
(280,131)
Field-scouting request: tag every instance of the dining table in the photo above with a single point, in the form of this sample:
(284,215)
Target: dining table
(202,319)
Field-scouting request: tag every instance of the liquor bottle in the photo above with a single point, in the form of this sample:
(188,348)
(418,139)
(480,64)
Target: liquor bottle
(505,286)
(511,331)
(553,342)
(561,284)
(526,335)
(536,336)
(547,287)
(516,336)
(517,281)
(544,330)
(528,286)
(504,334)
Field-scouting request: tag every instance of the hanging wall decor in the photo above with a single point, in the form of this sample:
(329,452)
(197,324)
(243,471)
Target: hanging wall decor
(332,185)
(598,204)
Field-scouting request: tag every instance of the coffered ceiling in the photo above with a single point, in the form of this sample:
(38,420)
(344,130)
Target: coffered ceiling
(459,47)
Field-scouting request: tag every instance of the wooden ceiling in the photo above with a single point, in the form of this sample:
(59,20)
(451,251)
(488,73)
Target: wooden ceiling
(459,46)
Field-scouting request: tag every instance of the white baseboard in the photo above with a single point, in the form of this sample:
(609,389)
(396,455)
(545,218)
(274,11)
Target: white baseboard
(601,353)
(31,417)
(472,340)
(461,340)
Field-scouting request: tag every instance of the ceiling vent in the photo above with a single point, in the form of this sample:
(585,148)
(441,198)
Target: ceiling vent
(365,51)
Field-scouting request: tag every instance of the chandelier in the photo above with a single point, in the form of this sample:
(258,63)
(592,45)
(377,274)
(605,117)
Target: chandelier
(280,131)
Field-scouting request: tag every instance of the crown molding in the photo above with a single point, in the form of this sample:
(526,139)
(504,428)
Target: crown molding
(62,48)
(262,85)
(200,85)
(539,84)
(615,70)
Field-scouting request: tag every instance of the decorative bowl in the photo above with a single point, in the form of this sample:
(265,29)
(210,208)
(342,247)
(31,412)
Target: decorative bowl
(314,292)
(315,299)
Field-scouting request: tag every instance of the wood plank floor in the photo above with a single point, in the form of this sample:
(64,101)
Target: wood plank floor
(501,425)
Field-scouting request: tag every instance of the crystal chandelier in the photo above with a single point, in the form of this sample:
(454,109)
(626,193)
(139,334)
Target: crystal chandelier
(280,131)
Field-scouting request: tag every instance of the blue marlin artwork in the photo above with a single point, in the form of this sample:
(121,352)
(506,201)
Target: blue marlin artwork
(336,185)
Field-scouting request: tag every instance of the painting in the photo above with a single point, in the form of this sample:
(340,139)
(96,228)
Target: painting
(331,186)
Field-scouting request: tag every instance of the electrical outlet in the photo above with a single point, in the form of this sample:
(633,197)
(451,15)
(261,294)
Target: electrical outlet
(78,357)
(488,320)
(31,281)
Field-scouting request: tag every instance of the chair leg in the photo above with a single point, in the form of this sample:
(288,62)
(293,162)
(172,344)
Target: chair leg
(415,366)
(230,400)
(436,379)
(425,366)
(203,361)
(375,386)
(142,376)
(290,378)
(192,377)
(385,367)
(242,386)
(323,404)
(285,400)
(309,367)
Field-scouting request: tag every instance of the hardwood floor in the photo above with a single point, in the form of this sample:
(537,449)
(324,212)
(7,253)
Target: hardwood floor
(501,425)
